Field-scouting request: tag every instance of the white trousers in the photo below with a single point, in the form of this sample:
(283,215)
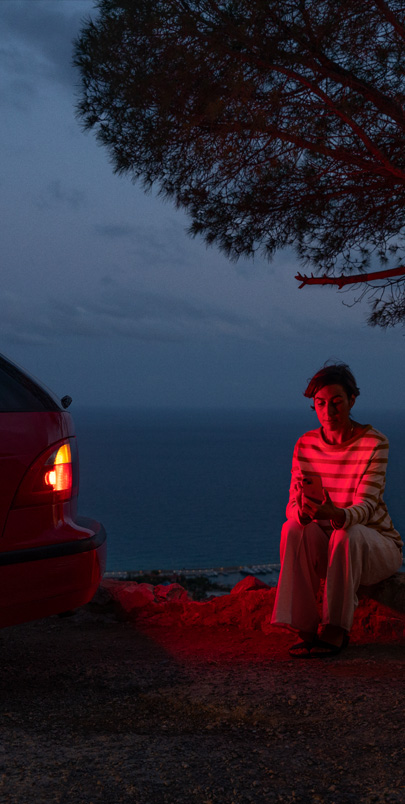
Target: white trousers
(346,559)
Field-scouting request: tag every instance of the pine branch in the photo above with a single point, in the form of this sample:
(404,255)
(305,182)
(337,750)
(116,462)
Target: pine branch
(343,279)
(390,16)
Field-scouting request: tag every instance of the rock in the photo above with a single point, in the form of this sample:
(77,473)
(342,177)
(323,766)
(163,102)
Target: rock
(136,596)
(172,591)
(378,621)
(130,595)
(248,606)
(102,598)
(248,584)
(390,592)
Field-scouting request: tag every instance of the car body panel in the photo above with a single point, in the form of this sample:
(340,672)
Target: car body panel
(34,586)
(37,526)
(51,560)
(23,436)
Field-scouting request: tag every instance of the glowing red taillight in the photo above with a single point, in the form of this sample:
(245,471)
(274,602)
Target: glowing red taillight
(52,478)
(59,477)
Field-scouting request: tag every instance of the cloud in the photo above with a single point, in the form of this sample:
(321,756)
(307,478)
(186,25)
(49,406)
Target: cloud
(114,231)
(58,193)
(17,85)
(39,44)
(115,311)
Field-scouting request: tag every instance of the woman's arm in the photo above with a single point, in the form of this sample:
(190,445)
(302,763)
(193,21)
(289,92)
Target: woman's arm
(371,486)
(295,507)
(367,496)
(292,510)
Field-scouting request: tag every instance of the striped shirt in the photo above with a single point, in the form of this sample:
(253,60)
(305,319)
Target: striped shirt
(353,473)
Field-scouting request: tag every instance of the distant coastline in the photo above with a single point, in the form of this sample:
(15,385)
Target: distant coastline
(226,576)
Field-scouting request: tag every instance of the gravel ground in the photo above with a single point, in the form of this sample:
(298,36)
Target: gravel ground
(94,710)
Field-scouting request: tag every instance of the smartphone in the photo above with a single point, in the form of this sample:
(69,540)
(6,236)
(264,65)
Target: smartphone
(312,487)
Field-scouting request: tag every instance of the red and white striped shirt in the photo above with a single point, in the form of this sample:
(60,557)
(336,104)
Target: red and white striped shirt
(353,473)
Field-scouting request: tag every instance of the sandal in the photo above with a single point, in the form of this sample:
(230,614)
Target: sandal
(302,650)
(324,650)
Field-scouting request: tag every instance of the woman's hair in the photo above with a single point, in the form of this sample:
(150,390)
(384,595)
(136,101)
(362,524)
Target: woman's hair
(334,374)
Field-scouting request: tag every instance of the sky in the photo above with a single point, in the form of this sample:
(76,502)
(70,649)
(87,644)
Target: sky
(105,297)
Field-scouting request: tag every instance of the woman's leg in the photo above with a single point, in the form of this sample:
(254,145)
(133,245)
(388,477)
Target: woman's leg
(303,553)
(357,556)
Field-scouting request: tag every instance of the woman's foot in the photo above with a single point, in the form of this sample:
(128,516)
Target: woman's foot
(333,635)
(302,649)
(332,642)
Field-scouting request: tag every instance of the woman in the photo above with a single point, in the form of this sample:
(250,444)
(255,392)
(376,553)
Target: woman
(338,526)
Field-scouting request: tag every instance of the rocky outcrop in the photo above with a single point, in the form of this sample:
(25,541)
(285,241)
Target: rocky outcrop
(248,606)
(390,592)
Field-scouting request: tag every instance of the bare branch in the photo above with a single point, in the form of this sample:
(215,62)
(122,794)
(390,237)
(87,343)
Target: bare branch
(391,18)
(343,279)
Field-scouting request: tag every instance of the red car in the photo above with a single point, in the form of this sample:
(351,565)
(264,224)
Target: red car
(51,560)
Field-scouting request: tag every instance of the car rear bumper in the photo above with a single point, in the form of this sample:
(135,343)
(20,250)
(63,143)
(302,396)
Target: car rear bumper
(59,549)
(50,579)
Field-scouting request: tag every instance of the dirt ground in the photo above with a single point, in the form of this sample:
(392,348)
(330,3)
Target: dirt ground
(94,710)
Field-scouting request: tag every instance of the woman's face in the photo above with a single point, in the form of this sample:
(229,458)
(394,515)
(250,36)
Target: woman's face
(333,406)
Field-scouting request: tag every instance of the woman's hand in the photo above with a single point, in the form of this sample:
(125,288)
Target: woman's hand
(306,509)
(328,510)
(309,510)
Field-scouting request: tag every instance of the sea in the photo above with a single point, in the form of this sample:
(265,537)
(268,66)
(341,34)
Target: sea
(201,489)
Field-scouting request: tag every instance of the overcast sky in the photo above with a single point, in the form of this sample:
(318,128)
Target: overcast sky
(105,297)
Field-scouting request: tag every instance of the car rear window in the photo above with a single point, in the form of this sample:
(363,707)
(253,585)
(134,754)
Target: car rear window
(18,392)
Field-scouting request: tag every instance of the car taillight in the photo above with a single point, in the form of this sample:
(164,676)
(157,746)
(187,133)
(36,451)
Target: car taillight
(59,476)
(52,477)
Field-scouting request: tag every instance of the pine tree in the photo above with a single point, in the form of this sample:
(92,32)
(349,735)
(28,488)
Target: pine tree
(273,123)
